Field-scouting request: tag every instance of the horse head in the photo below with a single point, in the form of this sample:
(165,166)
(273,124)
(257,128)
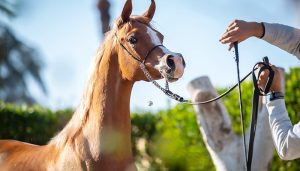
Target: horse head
(140,43)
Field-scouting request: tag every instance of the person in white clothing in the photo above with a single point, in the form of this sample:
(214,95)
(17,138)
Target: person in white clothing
(286,136)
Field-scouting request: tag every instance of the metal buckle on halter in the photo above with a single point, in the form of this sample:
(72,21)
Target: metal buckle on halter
(174,96)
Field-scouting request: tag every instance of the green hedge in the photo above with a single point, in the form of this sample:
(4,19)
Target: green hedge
(166,140)
(173,140)
(30,124)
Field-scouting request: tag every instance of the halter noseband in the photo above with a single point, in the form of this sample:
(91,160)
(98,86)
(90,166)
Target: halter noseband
(139,59)
(151,50)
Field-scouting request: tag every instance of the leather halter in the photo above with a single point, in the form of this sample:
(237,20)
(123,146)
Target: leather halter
(139,59)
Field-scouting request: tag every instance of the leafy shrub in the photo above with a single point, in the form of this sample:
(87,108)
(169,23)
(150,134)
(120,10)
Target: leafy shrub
(30,124)
(173,140)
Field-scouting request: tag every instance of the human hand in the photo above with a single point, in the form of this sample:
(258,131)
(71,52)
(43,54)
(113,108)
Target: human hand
(276,84)
(240,30)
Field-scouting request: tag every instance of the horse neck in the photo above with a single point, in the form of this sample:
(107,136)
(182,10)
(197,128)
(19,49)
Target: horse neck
(110,107)
(103,115)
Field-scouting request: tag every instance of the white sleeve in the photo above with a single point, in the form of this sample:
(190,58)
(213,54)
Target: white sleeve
(284,37)
(286,137)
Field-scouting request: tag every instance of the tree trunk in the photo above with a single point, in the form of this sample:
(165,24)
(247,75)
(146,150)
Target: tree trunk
(225,147)
(103,7)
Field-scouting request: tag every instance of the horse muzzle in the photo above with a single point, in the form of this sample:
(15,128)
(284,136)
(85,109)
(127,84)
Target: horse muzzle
(172,66)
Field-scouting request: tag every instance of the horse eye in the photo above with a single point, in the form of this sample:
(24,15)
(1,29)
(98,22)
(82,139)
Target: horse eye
(132,40)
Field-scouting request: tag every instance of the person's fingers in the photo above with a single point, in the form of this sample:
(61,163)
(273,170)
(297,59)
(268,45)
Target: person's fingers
(264,73)
(230,46)
(230,30)
(263,77)
(261,65)
(232,27)
(276,84)
(261,82)
(232,23)
(274,67)
(230,39)
(258,66)
(228,34)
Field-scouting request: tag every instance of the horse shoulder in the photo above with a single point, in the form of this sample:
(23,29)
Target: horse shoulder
(16,155)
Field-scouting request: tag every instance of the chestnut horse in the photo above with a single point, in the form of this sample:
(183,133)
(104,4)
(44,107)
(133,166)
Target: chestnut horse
(98,136)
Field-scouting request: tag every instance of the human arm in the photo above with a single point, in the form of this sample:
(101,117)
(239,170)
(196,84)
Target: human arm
(286,137)
(285,37)
(282,36)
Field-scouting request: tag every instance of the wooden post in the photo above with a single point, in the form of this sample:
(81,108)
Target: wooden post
(225,147)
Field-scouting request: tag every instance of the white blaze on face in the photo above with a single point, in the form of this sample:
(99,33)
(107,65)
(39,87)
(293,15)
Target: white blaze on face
(153,35)
(177,60)
(156,41)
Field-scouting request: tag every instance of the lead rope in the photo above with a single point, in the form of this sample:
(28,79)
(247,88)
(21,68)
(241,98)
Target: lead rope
(255,99)
(257,92)
(236,50)
(165,90)
(180,99)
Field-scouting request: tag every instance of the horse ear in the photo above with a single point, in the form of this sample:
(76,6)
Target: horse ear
(150,12)
(127,9)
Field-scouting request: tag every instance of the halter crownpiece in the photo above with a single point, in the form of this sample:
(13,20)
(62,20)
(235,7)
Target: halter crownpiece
(133,56)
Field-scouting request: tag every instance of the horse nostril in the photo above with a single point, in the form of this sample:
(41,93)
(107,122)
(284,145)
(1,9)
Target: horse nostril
(170,62)
(183,62)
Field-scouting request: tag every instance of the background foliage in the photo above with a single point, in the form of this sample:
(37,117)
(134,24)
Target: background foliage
(166,140)
(19,62)
(30,124)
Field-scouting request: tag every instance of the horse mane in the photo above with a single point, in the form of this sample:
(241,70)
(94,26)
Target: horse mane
(81,114)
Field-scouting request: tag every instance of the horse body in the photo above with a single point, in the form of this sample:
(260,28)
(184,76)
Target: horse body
(103,114)
(98,136)
(16,155)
